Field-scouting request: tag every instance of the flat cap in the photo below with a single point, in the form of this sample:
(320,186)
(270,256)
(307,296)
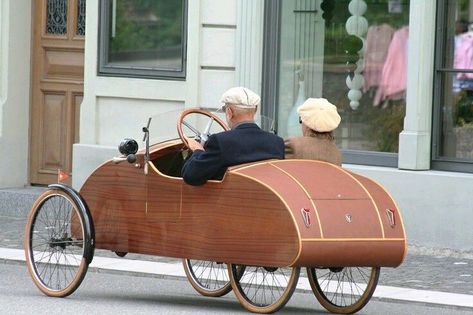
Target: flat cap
(240,96)
(319,114)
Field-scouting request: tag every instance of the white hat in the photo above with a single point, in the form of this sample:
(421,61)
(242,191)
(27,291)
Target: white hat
(319,114)
(240,96)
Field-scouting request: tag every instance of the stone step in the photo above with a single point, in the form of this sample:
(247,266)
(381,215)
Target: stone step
(16,202)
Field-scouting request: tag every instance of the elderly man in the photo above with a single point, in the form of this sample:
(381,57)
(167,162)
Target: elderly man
(244,143)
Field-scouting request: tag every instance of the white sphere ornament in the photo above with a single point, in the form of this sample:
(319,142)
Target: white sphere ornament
(356,25)
(357,7)
(356,82)
(354,105)
(354,96)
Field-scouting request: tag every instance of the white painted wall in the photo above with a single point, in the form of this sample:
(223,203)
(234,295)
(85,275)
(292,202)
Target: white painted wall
(15,59)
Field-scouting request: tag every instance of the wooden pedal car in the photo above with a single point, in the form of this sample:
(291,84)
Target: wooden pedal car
(250,232)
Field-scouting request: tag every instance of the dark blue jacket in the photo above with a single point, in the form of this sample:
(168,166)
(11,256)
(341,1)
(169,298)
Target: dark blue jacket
(245,143)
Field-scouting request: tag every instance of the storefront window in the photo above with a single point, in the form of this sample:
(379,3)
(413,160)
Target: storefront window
(143,38)
(353,53)
(454,82)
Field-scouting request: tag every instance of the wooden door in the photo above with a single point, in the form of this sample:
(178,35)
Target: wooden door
(57,86)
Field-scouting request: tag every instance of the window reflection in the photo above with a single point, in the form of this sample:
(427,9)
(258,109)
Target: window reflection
(146,34)
(354,53)
(456,76)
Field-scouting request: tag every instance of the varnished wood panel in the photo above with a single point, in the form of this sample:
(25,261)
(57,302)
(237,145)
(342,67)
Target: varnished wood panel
(384,202)
(299,181)
(323,180)
(290,192)
(53,114)
(57,68)
(63,64)
(239,220)
(163,197)
(342,253)
(349,218)
(242,219)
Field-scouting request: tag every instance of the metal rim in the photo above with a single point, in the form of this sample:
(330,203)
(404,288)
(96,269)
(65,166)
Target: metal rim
(55,244)
(209,278)
(343,290)
(263,289)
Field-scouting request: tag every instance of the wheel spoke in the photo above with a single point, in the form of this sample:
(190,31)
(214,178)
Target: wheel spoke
(209,278)
(264,289)
(343,290)
(54,253)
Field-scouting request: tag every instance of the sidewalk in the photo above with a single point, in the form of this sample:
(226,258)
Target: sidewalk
(444,271)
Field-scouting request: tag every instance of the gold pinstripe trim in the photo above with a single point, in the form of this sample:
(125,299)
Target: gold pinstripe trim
(308,197)
(398,212)
(251,165)
(288,208)
(346,172)
(158,172)
(351,239)
(372,201)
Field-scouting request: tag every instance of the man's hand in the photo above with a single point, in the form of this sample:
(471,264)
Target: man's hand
(194,145)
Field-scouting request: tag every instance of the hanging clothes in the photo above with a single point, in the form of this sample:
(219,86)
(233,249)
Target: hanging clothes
(463,58)
(394,76)
(378,39)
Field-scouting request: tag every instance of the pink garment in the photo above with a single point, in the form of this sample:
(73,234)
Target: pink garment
(394,76)
(377,44)
(464,55)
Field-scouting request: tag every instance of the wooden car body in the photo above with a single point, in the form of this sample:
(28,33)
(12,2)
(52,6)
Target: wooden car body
(267,213)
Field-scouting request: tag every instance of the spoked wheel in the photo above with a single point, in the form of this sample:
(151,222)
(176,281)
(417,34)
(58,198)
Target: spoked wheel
(56,239)
(263,289)
(209,278)
(343,290)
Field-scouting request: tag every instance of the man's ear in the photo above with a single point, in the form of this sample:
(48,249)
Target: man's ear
(230,112)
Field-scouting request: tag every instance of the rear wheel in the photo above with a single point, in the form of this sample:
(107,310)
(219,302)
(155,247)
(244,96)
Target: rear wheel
(343,290)
(263,289)
(55,244)
(209,278)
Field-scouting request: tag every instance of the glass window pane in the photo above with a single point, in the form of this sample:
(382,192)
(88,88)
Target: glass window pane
(457,117)
(56,22)
(354,53)
(80,18)
(146,34)
(457,34)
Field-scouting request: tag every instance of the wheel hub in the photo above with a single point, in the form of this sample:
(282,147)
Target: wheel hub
(59,242)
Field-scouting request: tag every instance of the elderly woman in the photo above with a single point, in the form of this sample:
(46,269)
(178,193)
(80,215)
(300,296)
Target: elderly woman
(318,118)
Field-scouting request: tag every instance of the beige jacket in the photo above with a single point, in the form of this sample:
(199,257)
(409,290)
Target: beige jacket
(312,148)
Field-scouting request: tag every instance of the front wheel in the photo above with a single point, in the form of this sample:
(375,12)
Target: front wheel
(343,290)
(209,278)
(56,242)
(263,289)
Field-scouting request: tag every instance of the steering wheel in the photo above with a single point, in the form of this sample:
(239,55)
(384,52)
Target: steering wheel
(201,136)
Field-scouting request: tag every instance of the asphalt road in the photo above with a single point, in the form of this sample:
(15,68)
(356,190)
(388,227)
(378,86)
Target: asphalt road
(108,293)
